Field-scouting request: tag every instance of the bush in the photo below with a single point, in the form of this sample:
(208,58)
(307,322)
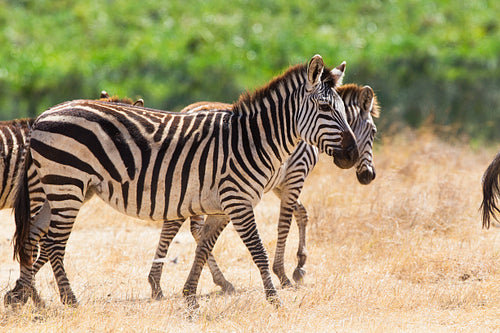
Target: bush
(425,59)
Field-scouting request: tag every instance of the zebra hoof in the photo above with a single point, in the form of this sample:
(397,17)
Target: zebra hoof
(157,295)
(69,300)
(286,284)
(298,275)
(20,296)
(15,299)
(275,300)
(228,289)
(192,303)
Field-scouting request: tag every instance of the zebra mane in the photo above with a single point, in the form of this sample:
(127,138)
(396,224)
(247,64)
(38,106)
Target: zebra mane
(354,89)
(297,74)
(116,99)
(17,122)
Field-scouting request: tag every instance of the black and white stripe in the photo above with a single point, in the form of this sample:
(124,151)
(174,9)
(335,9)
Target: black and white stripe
(156,165)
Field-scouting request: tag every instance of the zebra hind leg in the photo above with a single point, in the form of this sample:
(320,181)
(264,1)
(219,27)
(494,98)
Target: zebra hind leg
(168,232)
(302,219)
(217,275)
(23,291)
(56,257)
(211,231)
(279,256)
(20,295)
(63,215)
(25,285)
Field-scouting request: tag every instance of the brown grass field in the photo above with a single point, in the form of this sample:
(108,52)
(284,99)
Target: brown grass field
(406,253)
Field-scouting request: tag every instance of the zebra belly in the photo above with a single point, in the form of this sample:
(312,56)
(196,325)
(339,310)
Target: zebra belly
(158,205)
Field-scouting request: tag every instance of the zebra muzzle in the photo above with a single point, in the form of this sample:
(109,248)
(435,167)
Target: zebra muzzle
(348,155)
(366,176)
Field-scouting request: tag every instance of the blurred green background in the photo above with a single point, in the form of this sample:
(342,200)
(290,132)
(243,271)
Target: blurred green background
(430,62)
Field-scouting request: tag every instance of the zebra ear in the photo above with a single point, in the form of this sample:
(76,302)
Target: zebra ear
(366,98)
(139,102)
(315,70)
(104,94)
(338,74)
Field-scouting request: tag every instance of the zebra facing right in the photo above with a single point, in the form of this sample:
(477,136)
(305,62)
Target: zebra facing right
(156,165)
(361,104)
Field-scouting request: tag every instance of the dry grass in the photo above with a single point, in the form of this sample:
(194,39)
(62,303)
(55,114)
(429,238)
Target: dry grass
(406,253)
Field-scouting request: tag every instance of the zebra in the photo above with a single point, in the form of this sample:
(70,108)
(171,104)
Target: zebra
(157,165)
(491,191)
(13,138)
(361,104)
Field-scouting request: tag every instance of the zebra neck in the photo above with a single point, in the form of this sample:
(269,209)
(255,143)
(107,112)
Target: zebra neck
(272,126)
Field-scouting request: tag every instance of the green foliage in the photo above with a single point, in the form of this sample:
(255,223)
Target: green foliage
(424,59)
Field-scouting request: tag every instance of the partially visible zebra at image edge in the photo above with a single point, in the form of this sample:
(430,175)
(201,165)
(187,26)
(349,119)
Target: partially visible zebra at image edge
(157,165)
(491,192)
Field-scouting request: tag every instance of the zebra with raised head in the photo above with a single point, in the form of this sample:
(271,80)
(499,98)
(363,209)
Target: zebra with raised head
(156,165)
(361,105)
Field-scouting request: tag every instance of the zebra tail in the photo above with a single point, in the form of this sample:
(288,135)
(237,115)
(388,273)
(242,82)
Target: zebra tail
(22,212)
(491,192)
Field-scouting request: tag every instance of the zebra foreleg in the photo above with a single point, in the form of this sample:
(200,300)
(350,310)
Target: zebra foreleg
(168,232)
(302,219)
(217,275)
(244,223)
(211,231)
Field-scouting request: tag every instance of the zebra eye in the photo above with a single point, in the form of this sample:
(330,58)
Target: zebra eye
(325,107)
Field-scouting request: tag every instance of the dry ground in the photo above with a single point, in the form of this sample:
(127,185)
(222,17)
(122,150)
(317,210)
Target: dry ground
(406,253)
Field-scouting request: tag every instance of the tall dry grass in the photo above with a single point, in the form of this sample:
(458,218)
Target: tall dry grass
(406,253)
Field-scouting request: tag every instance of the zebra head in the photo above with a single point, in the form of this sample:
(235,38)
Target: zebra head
(361,104)
(321,120)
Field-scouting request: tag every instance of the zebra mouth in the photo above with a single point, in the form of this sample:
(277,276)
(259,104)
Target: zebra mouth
(366,176)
